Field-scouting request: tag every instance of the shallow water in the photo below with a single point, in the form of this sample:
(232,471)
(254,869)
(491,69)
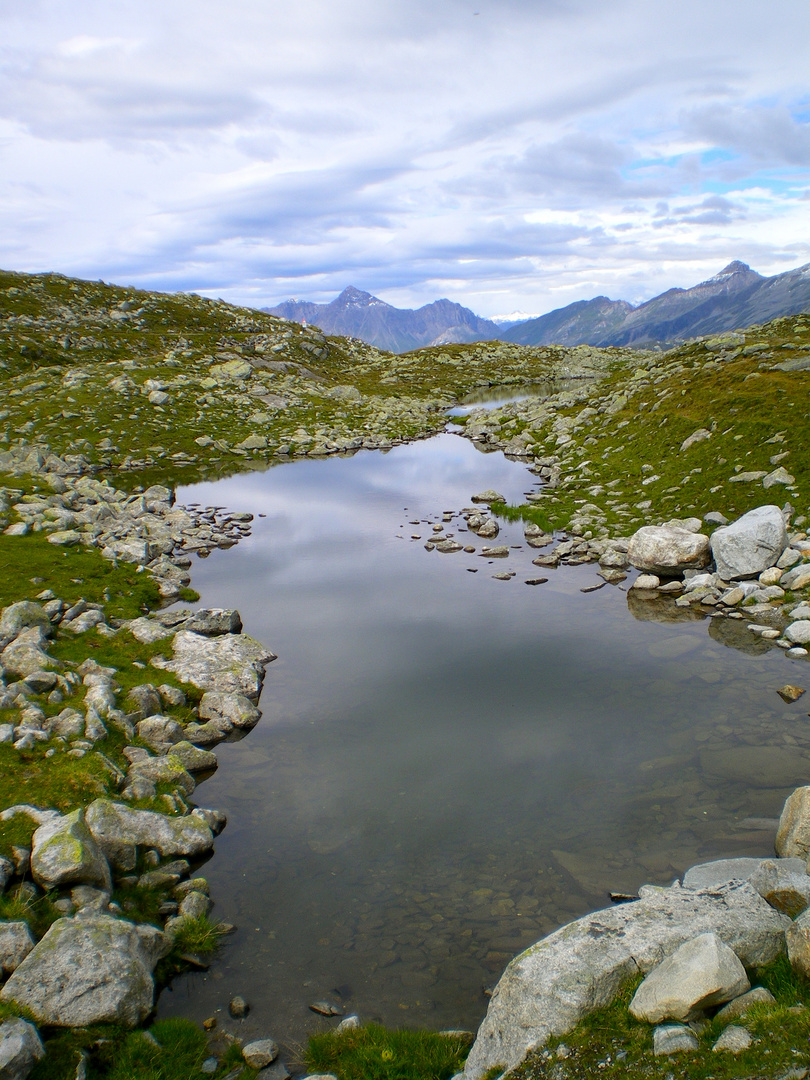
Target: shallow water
(450,766)
(493,397)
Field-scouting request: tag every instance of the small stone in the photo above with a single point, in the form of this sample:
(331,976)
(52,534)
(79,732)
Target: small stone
(238,1007)
(349,1023)
(488,496)
(646,582)
(209,1066)
(210,1023)
(734,1040)
(673,1039)
(260,1053)
(325,1008)
(790,693)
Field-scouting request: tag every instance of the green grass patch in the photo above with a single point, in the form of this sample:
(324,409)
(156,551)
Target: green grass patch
(376,1053)
(173,1050)
(38,912)
(72,573)
(525,512)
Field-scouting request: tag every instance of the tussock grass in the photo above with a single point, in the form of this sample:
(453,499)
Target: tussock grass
(373,1052)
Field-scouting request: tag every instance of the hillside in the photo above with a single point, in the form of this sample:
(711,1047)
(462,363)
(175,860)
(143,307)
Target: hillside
(359,314)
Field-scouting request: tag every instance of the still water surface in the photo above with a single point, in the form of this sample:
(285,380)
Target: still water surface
(450,766)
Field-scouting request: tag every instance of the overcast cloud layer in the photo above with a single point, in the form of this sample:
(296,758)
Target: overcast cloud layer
(518,154)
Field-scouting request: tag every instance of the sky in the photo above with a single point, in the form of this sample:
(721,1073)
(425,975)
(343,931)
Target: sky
(512,155)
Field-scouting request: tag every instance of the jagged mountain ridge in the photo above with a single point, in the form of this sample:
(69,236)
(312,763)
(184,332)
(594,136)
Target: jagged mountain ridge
(359,314)
(736,297)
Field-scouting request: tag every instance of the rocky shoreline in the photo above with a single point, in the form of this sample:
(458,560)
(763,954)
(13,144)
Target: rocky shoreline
(143,836)
(752,569)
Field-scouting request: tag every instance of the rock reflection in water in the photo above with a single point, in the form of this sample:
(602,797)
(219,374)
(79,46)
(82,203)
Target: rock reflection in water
(448,766)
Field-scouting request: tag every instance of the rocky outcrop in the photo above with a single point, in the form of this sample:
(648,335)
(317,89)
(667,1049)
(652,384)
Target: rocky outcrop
(547,989)
(90,969)
(750,544)
(231,663)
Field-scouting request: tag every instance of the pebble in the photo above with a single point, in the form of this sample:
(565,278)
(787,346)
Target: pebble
(790,693)
(238,1007)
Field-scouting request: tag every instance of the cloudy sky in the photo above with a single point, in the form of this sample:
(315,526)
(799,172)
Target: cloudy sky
(508,154)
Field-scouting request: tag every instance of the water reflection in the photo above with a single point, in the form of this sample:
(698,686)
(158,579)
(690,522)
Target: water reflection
(449,766)
(492,397)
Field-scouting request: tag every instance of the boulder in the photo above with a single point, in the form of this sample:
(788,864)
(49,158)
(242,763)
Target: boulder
(699,974)
(22,616)
(667,551)
(797,939)
(90,969)
(740,1005)
(228,711)
(24,655)
(193,759)
(793,834)
(719,872)
(158,731)
(797,578)
(119,830)
(750,544)
(211,622)
(15,944)
(784,883)
(145,699)
(64,852)
(231,663)
(163,770)
(20,1048)
(546,990)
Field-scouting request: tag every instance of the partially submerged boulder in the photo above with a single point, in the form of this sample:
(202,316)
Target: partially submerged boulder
(90,969)
(750,544)
(667,550)
(548,988)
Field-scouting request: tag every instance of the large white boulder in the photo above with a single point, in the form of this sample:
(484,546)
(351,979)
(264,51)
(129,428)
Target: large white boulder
(546,990)
(700,973)
(667,550)
(750,544)
(90,969)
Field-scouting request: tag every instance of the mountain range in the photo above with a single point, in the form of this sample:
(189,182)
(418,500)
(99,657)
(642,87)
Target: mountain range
(736,297)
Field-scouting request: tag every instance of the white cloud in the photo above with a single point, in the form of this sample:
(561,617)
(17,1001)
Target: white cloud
(412,148)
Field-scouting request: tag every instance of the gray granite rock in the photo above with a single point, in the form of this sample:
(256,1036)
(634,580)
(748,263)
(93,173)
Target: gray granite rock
(784,883)
(740,1005)
(89,969)
(231,663)
(719,872)
(64,852)
(228,711)
(119,830)
(15,944)
(699,974)
(673,1039)
(667,551)
(20,1048)
(750,544)
(548,988)
(793,834)
(733,1040)
(211,622)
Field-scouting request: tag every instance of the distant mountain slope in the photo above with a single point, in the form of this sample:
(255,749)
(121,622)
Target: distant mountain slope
(734,298)
(584,322)
(359,314)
